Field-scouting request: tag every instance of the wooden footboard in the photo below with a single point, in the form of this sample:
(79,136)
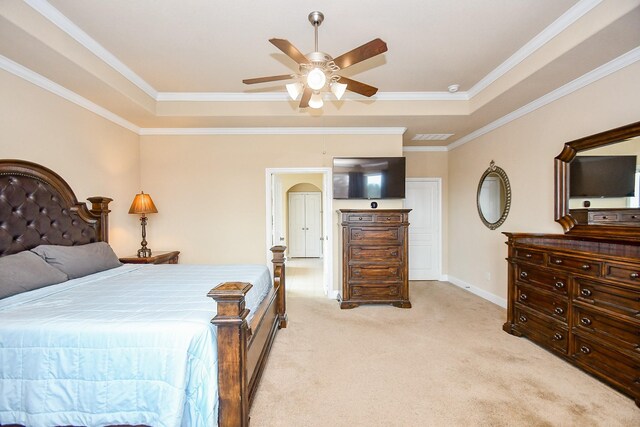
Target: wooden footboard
(243,347)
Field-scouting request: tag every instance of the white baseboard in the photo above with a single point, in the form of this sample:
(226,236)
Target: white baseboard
(333,294)
(477,291)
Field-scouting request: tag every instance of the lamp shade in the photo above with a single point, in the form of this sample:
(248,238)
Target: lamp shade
(316,101)
(142,204)
(316,79)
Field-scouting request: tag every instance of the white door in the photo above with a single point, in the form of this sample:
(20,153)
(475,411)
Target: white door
(305,225)
(423,197)
(313,223)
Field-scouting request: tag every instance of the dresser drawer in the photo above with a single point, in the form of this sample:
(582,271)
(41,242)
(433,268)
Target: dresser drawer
(375,253)
(620,333)
(544,279)
(605,362)
(387,218)
(357,217)
(376,292)
(372,235)
(618,298)
(629,217)
(581,265)
(554,306)
(545,332)
(603,217)
(529,255)
(627,274)
(390,273)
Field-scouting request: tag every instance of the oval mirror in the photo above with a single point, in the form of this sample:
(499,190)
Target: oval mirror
(494,196)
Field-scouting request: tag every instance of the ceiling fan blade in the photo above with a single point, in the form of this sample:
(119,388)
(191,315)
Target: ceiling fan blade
(358,87)
(306,96)
(290,50)
(359,54)
(269,79)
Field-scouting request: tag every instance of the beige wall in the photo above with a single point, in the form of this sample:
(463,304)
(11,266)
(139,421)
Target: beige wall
(433,164)
(525,149)
(210,189)
(94,156)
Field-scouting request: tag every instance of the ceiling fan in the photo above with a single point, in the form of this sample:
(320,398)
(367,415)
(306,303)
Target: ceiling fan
(319,70)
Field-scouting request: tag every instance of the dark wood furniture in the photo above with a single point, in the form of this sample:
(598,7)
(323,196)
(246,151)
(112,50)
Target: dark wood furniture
(588,222)
(38,207)
(579,299)
(158,257)
(578,294)
(375,257)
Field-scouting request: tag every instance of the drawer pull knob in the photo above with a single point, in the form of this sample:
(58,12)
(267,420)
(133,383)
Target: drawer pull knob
(586,266)
(523,297)
(585,349)
(360,218)
(523,275)
(558,310)
(523,318)
(388,219)
(633,217)
(528,255)
(394,253)
(585,321)
(557,261)
(559,285)
(585,292)
(634,275)
(558,336)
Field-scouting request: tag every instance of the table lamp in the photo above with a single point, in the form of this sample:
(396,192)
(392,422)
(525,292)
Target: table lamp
(142,205)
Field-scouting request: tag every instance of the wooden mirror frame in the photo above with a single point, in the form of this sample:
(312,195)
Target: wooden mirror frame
(561,182)
(507,190)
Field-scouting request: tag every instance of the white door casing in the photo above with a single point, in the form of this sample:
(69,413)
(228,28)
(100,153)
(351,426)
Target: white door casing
(423,196)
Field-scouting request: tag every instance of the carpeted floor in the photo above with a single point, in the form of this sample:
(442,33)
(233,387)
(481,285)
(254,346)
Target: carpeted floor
(445,362)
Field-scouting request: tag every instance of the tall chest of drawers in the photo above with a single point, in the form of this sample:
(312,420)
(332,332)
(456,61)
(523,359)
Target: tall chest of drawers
(580,299)
(375,257)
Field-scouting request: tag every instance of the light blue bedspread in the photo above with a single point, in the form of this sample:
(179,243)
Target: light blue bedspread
(131,345)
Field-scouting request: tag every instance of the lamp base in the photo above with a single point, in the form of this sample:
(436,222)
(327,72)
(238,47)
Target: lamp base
(144,253)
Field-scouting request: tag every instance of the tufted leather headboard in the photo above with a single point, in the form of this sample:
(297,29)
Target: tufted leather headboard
(37,207)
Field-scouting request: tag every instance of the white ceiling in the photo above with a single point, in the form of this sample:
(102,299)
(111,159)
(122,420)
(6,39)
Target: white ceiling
(173,64)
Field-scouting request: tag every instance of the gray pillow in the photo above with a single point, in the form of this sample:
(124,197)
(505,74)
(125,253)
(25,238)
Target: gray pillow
(26,271)
(79,261)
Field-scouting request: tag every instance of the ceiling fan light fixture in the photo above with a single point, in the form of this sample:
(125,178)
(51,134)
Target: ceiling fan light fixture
(338,89)
(316,101)
(316,79)
(294,89)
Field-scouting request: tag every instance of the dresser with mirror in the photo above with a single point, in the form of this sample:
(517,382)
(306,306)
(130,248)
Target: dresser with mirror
(577,294)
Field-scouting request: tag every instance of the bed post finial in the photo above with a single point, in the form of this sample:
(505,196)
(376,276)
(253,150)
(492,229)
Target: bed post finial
(231,321)
(279,283)
(100,207)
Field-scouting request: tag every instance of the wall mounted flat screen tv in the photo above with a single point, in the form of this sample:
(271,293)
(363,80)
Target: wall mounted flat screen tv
(602,176)
(369,177)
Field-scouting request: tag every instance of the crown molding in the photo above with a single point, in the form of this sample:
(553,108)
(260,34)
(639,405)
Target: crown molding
(604,70)
(559,25)
(276,131)
(425,148)
(65,24)
(283,96)
(41,81)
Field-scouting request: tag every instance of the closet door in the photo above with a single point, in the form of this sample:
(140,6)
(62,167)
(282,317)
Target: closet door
(305,225)
(297,225)
(313,225)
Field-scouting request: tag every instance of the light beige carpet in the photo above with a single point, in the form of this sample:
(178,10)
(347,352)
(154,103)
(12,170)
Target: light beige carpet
(445,362)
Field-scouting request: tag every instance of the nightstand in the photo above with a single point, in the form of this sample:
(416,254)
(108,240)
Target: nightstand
(156,258)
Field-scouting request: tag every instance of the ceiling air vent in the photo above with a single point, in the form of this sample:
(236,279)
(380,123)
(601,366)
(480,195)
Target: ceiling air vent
(431,136)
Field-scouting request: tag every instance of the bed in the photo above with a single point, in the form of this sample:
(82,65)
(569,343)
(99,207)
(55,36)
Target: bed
(129,344)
